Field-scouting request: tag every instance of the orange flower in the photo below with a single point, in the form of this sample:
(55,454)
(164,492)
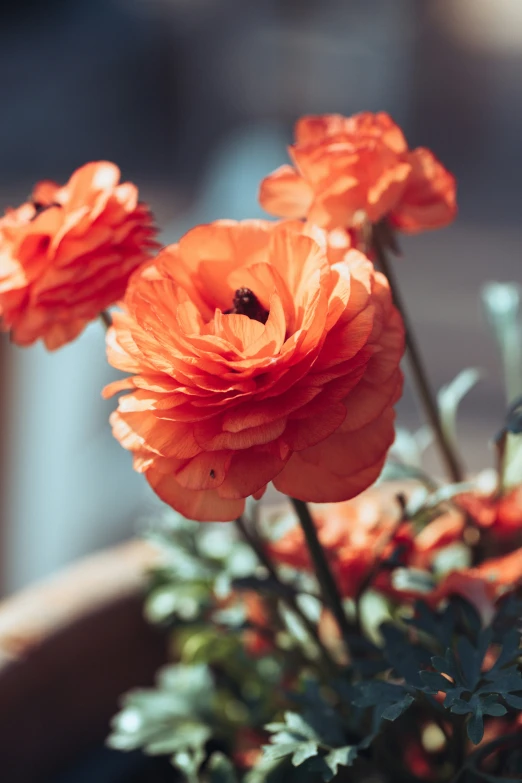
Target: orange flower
(67,254)
(348,167)
(248,746)
(253,359)
(501,514)
(441,532)
(257,642)
(483,584)
(355,535)
(258,638)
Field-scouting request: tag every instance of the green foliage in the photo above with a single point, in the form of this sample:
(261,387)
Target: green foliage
(420,665)
(174,718)
(308,740)
(472,691)
(199,562)
(457,668)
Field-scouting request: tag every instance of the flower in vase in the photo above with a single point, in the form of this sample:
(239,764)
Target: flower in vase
(68,252)
(347,170)
(255,359)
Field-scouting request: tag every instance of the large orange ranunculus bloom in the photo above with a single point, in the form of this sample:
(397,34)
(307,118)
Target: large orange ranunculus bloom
(67,254)
(349,167)
(253,359)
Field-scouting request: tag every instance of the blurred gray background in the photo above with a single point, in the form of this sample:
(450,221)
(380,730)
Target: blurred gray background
(195,100)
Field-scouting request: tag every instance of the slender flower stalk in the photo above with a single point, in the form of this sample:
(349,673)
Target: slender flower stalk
(449,458)
(286,594)
(329,589)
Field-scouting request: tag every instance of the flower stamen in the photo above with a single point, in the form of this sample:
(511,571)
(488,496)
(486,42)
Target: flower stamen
(246,303)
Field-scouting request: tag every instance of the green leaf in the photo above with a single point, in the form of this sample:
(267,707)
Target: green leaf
(188,762)
(297,725)
(393,711)
(496,710)
(305,751)
(502,305)
(172,718)
(340,757)
(281,750)
(514,701)
(435,682)
(475,727)
(470,661)
(449,398)
(221,769)
(184,600)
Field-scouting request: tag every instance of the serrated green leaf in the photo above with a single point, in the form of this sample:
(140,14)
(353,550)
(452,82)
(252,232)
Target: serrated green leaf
(369,694)
(297,724)
(305,751)
(280,750)
(475,727)
(496,710)
(405,658)
(394,711)
(341,757)
(470,661)
(185,735)
(513,701)
(435,682)
(461,707)
(446,665)
(504,683)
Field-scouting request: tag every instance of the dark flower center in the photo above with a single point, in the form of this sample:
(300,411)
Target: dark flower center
(246,303)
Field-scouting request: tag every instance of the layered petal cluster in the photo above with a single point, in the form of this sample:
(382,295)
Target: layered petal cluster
(499,515)
(67,254)
(361,533)
(366,532)
(255,358)
(350,168)
(483,584)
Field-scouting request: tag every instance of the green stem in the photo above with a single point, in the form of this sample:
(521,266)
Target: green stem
(329,590)
(286,594)
(418,370)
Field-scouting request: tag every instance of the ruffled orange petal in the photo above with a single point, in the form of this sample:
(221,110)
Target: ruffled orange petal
(429,198)
(203,505)
(285,193)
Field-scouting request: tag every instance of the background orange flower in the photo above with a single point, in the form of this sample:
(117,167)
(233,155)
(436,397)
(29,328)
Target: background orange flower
(67,254)
(500,514)
(483,584)
(363,532)
(253,358)
(348,167)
